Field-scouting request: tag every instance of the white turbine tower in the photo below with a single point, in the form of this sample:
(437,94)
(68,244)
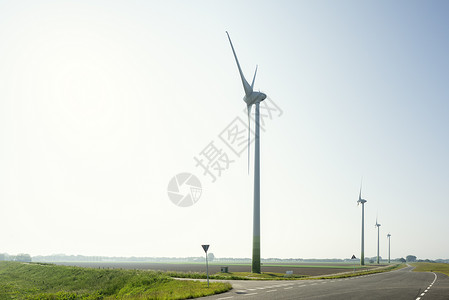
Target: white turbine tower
(378,229)
(388,236)
(251,98)
(362,201)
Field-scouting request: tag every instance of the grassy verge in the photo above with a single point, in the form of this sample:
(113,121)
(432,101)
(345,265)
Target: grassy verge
(235,276)
(279,276)
(44,281)
(361,273)
(431,267)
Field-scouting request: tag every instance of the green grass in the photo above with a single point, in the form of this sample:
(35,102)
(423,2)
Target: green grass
(431,267)
(263,275)
(280,276)
(234,275)
(361,273)
(44,281)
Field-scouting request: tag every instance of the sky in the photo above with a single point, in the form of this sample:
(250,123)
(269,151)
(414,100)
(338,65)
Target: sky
(103,103)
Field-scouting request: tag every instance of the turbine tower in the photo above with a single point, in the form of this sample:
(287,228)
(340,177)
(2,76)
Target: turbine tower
(388,236)
(378,229)
(251,98)
(362,201)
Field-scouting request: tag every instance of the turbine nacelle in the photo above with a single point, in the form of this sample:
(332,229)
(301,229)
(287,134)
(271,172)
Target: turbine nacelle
(363,201)
(254,97)
(377,224)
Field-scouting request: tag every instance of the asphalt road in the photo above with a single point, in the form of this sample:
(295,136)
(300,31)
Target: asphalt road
(399,284)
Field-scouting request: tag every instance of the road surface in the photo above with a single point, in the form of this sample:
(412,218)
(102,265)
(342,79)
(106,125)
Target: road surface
(399,284)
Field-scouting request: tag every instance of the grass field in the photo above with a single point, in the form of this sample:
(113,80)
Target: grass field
(282,276)
(43,281)
(300,270)
(431,267)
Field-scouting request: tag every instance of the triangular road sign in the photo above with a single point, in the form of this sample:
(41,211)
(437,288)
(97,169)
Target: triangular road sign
(353,257)
(205,247)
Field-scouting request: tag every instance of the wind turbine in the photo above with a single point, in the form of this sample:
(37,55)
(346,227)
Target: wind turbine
(251,98)
(388,236)
(362,201)
(378,227)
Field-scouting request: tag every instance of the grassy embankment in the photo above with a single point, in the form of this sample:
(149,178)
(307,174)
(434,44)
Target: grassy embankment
(431,267)
(281,276)
(44,281)
(367,272)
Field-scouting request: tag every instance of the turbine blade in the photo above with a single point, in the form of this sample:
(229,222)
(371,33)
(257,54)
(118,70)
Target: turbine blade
(254,78)
(360,194)
(248,89)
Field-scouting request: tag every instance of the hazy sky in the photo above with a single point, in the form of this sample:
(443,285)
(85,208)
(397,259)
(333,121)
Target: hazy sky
(103,102)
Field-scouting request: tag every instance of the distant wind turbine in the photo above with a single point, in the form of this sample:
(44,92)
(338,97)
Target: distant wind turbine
(378,229)
(362,201)
(251,98)
(388,236)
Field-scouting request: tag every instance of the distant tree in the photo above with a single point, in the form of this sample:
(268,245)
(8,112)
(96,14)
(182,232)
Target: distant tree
(371,261)
(425,260)
(2,256)
(410,258)
(23,257)
(402,260)
(210,256)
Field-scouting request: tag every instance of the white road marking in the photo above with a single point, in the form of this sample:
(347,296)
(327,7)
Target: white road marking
(252,289)
(271,291)
(287,288)
(251,294)
(435,279)
(225,298)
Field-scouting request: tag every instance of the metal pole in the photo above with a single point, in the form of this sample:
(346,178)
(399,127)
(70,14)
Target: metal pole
(362,255)
(378,244)
(388,249)
(256,216)
(207,270)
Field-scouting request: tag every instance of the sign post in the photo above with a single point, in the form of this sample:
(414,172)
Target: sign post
(352,258)
(205,248)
